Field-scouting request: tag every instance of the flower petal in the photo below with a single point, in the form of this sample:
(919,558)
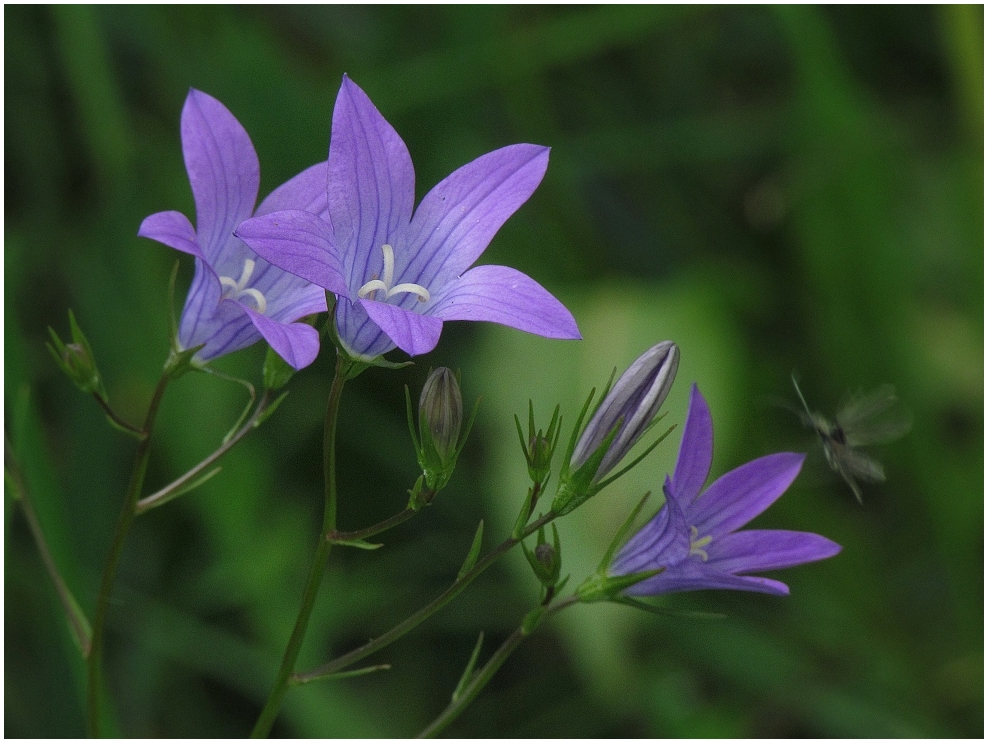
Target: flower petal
(221,324)
(413,333)
(457,219)
(371,181)
(694,575)
(754,550)
(298,242)
(306,191)
(223,171)
(297,343)
(695,451)
(506,296)
(174,230)
(736,498)
(662,542)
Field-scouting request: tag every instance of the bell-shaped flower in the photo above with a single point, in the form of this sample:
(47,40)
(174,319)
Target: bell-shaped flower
(406,274)
(694,538)
(624,414)
(236,297)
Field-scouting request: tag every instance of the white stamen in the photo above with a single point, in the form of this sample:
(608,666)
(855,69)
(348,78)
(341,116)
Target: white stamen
(384,283)
(697,545)
(238,289)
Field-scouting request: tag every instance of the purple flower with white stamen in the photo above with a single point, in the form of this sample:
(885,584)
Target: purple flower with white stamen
(406,274)
(237,297)
(694,538)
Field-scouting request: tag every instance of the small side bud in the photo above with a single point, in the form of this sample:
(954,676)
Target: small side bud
(76,359)
(540,445)
(545,559)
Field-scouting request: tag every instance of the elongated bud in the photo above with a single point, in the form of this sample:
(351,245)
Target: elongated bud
(441,412)
(631,405)
(626,412)
(439,440)
(546,558)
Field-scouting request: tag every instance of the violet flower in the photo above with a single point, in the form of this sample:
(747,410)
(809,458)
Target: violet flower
(694,536)
(406,274)
(236,297)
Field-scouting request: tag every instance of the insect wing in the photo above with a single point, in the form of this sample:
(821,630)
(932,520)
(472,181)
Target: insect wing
(853,465)
(873,418)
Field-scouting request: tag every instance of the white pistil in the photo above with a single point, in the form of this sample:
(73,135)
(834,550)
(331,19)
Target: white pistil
(237,289)
(697,545)
(384,283)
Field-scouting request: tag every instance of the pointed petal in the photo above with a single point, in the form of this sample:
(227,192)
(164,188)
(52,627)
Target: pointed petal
(306,191)
(413,333)
(736,498)
(371,181)
(754,550)
(207,318)
(298,242)
(297,343)
(223,171)
(662,542)
(457,219)
(694,575)
(174,230)
(695,451)
(506,296)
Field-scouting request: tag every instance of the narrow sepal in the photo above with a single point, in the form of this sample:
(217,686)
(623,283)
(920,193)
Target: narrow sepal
(474,553)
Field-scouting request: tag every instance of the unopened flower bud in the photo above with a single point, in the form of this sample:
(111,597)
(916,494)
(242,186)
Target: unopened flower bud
(441,412)
(545,559)
(626,412)
(76,359)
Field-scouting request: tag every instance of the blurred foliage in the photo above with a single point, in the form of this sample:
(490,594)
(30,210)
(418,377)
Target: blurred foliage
(773,188)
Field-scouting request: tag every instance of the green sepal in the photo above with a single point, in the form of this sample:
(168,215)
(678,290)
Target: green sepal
(540,446)
(467,674)
(576,488)
(420,495)
(523,516)
(677,613)
(276,372)
(180,362)
(269,410)
(170,309)
(471,558)
(602,587)
(546,572)
(360,544)
(532,620)
(604,483)
(354,365)
(620,537)
(345,674)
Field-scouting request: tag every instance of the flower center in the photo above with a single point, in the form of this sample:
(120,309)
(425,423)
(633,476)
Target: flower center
(697,545)
(372,287)
(238,289)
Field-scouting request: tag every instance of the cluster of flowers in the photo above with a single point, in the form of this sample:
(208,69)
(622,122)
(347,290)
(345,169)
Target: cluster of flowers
(347,226)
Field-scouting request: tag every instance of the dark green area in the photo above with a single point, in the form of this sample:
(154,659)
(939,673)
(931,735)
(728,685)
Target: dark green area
(773,188)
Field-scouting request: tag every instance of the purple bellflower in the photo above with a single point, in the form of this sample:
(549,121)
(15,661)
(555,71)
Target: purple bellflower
(405,274)
(236,297)
(694,536)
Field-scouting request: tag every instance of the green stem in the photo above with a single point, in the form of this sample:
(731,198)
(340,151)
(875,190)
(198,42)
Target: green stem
(77,618)
(176,488)
(124,521)
(270,712)
(485,674)
(403,628)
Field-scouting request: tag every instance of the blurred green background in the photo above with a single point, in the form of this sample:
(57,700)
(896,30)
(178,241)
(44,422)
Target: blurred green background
(773,188)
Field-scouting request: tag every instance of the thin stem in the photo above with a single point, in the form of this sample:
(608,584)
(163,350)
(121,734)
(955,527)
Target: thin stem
(270,712)
(115,418)
(403,628)
(124,521)
(370,531)
(171,490)
(77,618)
(484,675)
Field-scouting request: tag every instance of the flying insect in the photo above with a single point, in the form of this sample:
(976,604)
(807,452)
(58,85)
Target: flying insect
(869,418)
